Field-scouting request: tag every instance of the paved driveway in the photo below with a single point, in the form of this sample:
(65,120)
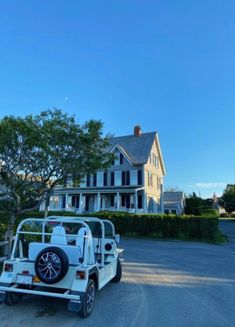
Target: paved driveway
(164,284)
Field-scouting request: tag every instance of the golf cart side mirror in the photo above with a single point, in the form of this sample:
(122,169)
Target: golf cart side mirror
(117,238)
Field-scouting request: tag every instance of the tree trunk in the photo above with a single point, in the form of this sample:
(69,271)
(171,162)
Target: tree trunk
(47,203)
(9,235)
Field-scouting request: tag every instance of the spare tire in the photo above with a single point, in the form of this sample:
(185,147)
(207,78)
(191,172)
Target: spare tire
(51,265)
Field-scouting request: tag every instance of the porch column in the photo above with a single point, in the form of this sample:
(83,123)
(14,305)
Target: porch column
(118,201)
(145,203)
(98,202)
(136,201)
(66,201)
(80,203)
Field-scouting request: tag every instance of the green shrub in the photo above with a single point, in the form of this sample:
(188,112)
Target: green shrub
(224,215)
(151,225)
(208,211)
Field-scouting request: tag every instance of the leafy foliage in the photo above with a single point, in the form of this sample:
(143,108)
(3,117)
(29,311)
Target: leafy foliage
(197,206)
(39,152)
(153,225)
(228,198)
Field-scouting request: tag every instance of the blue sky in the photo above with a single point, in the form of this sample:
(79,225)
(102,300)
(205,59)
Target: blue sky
(166,65)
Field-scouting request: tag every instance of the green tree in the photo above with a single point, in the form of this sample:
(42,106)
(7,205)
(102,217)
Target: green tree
(228,198)
(193,204)
(39,152)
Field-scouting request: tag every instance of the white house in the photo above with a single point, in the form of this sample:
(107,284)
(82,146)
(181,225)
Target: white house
(133,183)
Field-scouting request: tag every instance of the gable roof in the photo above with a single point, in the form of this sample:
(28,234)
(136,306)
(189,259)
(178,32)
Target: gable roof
(136,148)
(173,196)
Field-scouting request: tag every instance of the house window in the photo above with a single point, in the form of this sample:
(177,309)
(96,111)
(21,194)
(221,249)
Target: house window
(139,177)
(100,178)
(88,180)
(150,179)
(94,179)
(112,200)
(128,201)
(140,202)
(117,159)
(112,178)
(121,158)
(125,178)
(105,178)
(75,201)
(159,182)
(63,202)
(118,178)
(133,177)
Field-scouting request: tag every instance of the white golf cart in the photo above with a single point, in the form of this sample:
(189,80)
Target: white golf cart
(62,257)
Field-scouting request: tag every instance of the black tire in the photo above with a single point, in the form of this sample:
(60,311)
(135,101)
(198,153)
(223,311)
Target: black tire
(51,265)
(118,276)
(88,300)
(12,298)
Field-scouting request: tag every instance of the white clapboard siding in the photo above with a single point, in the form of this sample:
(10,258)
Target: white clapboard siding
(133,177)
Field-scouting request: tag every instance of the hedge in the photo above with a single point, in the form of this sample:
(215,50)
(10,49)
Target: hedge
(151,225)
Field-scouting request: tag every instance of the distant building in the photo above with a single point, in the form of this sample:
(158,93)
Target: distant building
(134,182)
(216,204)
(174,202)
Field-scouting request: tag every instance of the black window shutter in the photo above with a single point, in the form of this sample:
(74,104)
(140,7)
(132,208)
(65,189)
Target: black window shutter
(88,180)
(128,177)
(123,178)
(105,178)
(112,178)
(94,180)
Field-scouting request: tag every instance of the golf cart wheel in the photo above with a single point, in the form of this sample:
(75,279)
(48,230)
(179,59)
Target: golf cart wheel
(88,300)
(12,298)
(51,265)
(118,276)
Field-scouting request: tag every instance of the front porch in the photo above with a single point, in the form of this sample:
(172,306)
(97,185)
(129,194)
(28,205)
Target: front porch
(133,201)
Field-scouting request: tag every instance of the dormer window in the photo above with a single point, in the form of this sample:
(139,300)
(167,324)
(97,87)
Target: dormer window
(118,160)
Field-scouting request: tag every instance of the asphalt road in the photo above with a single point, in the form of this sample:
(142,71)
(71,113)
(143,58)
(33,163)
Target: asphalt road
(178,284)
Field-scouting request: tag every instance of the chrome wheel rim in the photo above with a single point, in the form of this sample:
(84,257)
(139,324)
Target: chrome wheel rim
(90,298)
(49,265)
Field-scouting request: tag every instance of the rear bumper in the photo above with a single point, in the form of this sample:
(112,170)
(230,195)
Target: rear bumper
(66,295)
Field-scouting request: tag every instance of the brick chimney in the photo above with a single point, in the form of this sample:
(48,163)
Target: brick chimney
(137,130)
